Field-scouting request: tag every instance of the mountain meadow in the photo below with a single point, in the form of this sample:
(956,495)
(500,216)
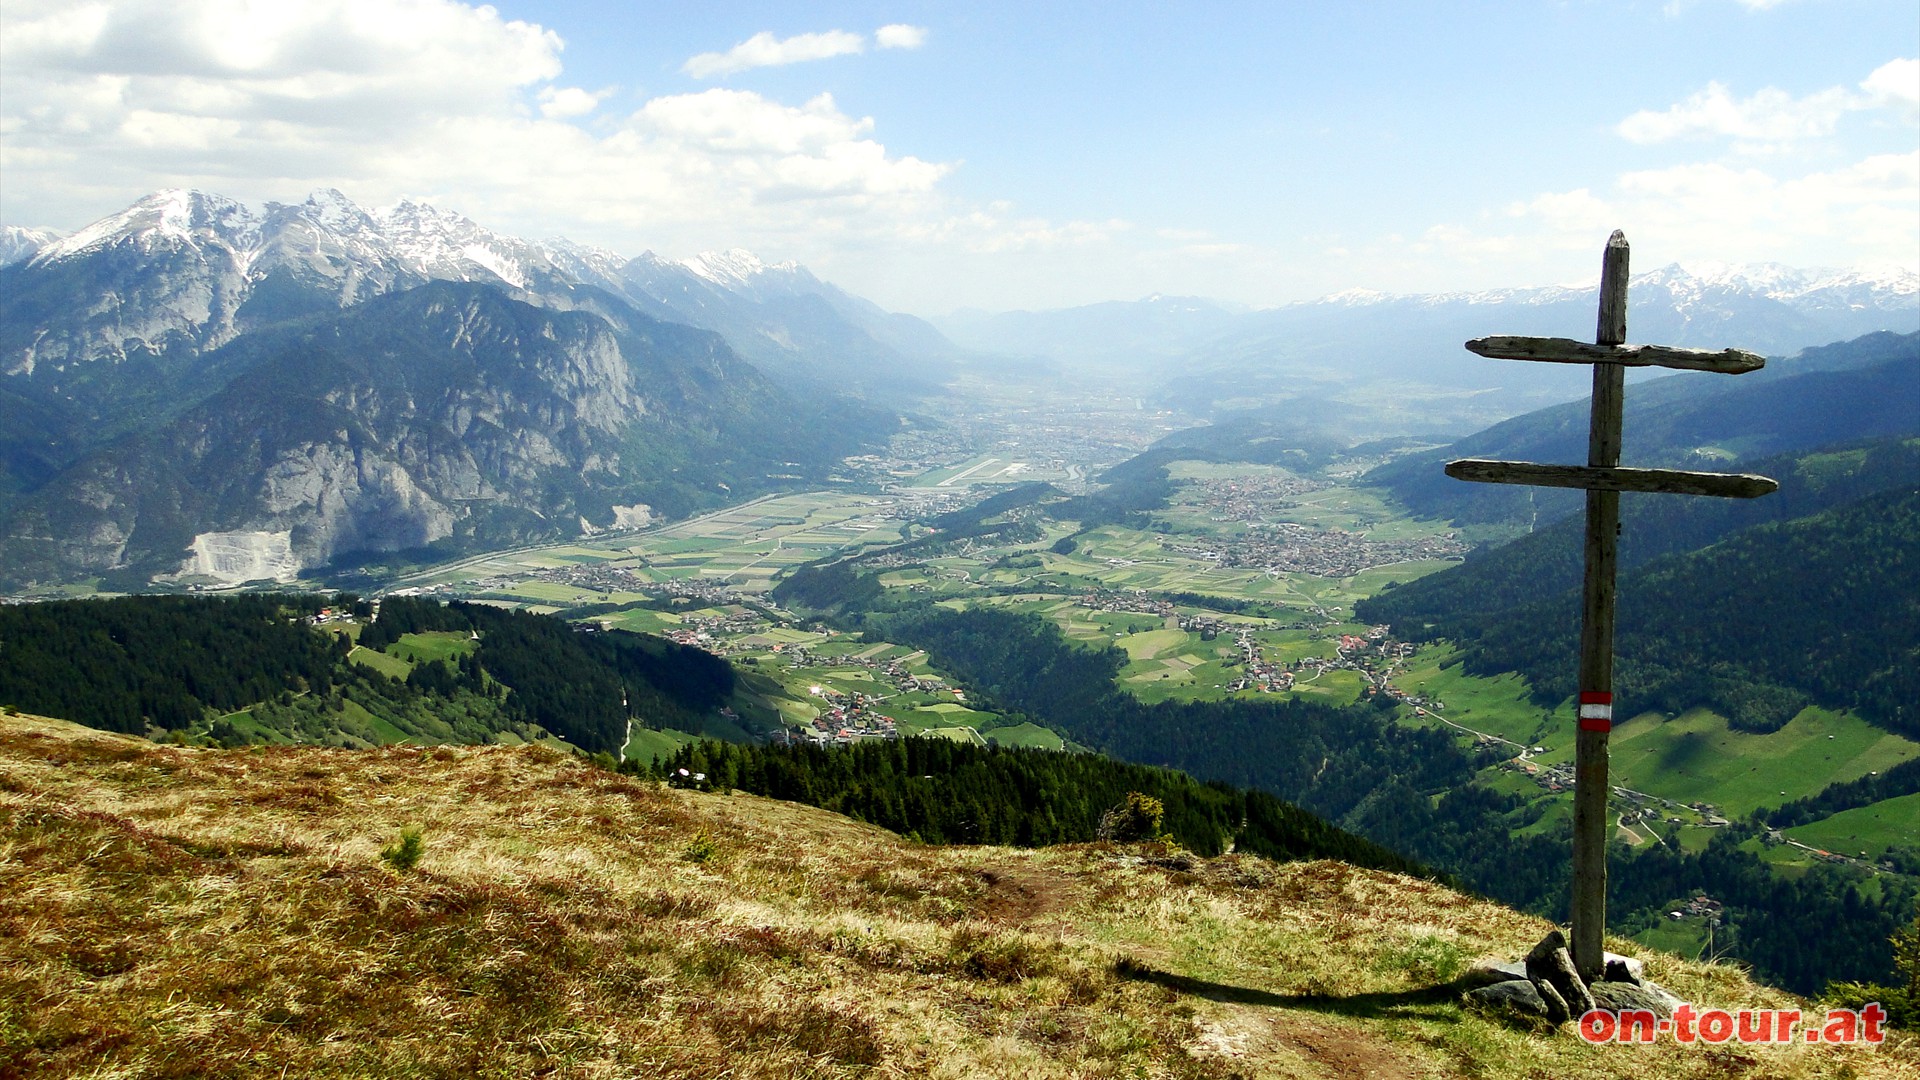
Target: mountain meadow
(513,911)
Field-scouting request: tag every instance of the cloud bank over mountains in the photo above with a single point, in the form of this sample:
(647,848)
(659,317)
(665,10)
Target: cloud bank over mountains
(467,107)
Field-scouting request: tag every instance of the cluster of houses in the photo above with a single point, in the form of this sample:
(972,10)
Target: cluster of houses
(847,719)
(895,672)
(1129,600)
(1699,907)
(704,631)
(597,577)
(328,615)
(1251,498)
(1288,548)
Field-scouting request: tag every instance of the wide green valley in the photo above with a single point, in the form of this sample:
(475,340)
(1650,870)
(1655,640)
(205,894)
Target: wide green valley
(1169,609)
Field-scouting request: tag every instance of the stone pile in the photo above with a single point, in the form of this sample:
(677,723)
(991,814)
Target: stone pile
(1547,985)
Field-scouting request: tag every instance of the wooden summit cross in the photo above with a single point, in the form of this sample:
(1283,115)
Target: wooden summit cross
(1604,480)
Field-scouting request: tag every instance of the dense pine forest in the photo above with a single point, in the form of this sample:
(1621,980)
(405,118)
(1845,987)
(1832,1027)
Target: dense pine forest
(256,667)
(942,792)
(581,686)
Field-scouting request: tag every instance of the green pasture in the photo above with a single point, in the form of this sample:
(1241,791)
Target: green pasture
(1334,687)
(1870,829)
(390,666)
(1499,706)
(643,621)
(1026,734)
(1696,757)
(648,744)
(1681,937)
(432,645)
(553,592)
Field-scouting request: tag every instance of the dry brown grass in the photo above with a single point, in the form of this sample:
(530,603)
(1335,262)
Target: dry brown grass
(178,912)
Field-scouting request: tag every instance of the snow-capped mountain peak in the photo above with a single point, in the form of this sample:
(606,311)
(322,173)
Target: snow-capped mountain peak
(18,243)
(176,216)
(730,268)
(735,268)
(331,209)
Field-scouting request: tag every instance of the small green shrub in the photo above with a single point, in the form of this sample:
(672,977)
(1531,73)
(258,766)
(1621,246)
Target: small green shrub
(1135,818)
(702,848)
(405,852)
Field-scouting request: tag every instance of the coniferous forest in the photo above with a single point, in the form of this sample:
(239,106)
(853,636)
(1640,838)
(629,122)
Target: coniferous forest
(941,791)
(147,664)
(1814,609)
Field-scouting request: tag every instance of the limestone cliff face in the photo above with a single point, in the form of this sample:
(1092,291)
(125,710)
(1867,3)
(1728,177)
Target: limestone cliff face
(449,414)
(191,374)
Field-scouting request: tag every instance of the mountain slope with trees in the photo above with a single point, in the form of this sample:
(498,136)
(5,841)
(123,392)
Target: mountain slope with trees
(1773,618)
(182,665)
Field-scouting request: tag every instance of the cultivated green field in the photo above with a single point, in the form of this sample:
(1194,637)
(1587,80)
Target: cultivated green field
(1866,832)
(390,666)
(433,645)
(1696,757)
(647,744)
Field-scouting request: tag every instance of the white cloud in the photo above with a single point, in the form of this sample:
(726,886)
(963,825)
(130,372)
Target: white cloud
(1769,116)
(900,36)
(1895,84)
(1859,214)
(561,103)
(1772,118)
(103,103)
(765,50)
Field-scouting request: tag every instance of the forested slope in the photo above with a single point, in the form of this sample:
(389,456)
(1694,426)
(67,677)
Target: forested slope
(946,792)
(1820,609)
(145,664)
(1864,388)
(1549,561)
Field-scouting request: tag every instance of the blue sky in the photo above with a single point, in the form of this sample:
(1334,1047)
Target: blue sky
(1014,155)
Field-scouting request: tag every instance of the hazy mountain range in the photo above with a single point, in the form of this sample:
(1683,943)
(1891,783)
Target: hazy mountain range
(195,384)
(1363,364)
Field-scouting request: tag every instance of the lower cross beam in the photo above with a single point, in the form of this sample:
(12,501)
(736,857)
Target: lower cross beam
(1617,478)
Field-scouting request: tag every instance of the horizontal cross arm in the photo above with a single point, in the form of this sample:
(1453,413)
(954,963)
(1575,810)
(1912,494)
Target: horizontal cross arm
(1669,481)
(1569,351)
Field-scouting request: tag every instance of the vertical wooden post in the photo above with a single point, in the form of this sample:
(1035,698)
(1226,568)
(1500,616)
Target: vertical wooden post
(1591,786)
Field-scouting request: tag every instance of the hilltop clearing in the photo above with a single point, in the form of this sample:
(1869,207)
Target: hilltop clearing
(176,911)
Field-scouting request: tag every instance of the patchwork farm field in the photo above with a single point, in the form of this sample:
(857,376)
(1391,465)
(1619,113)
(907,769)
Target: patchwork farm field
(1094,585)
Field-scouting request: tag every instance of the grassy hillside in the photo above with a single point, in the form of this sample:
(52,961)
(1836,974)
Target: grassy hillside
(195,912)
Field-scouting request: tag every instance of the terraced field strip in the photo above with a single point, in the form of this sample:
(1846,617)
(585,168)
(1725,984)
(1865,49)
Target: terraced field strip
(1866,831)
(1697,757)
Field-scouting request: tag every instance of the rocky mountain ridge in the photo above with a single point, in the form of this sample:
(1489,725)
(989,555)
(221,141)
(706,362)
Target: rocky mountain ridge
(187,271)
(446,416)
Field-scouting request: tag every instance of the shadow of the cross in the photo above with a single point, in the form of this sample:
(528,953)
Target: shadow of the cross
(1440,1002)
